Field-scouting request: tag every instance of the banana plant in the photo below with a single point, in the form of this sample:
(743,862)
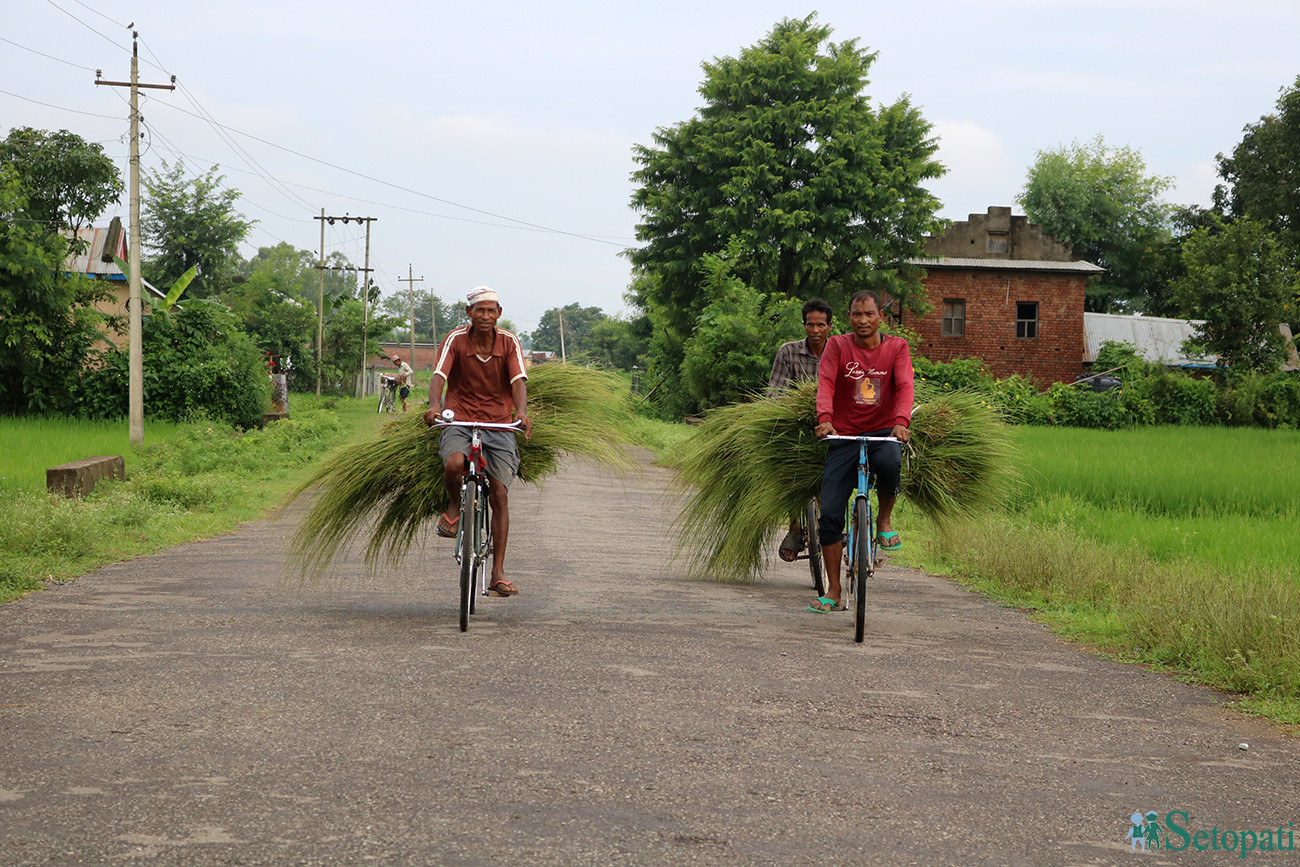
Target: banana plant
(177,288)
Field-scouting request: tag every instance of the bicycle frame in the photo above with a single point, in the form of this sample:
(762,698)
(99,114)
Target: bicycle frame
(860,553)
(474,534)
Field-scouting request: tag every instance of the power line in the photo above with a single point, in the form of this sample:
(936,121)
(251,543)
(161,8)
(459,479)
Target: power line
(47,56)
(59,107)
(429,196)
(88,27)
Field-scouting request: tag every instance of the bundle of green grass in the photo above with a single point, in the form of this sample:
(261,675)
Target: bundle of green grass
(750,466)
(390,485)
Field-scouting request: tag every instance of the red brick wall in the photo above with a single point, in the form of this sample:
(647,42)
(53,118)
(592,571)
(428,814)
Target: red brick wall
(1056,355)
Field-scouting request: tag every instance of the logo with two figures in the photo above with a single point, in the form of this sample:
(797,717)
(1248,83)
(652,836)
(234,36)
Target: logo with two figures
(1144,831)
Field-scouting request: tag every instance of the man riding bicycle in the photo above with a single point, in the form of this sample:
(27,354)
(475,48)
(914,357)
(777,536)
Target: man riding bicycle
(794,362)
(864,388)
(482,368)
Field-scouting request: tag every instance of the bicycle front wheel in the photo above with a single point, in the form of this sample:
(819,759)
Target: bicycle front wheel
(815,564)
(468,551)
(862,554)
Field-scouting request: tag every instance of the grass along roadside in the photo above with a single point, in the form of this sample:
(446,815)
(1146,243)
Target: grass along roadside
(1173,547)
(187,482)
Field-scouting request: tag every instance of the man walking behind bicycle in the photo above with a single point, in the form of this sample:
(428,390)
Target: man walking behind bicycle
(794,362)
(482,368)
(864,388)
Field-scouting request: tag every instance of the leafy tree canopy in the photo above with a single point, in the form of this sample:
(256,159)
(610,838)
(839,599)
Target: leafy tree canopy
(398,307)
(1263,172)
(1102,200)
(1239,280)
(578,322)
(67,181)
(48,324)
(191,221)
(821,190)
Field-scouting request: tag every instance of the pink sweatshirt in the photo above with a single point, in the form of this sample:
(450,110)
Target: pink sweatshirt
(862,390)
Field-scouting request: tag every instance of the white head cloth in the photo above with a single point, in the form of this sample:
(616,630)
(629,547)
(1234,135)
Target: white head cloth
(483,293)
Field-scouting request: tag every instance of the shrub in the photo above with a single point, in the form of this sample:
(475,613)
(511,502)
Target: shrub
(1270,400)
(196,363)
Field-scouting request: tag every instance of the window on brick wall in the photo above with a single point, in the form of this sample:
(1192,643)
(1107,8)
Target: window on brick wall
(998,242)
(1027,319)
(954,317)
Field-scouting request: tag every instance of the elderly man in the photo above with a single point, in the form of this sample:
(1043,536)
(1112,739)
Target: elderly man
(482,368)
(404,379)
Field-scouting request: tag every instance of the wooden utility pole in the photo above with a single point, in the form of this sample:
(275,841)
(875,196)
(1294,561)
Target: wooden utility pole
(410,281)
(135,304)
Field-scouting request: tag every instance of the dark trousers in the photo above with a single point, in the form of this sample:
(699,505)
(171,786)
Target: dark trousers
(840,477)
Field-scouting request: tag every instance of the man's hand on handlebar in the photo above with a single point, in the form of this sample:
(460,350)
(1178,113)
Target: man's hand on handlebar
(823,430)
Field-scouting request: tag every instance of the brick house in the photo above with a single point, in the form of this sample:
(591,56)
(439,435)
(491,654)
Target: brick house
(1002,290)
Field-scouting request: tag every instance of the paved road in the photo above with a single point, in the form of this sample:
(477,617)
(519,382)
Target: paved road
(197,707)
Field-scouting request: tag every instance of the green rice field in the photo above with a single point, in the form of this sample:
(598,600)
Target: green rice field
(1228,498)
(32,445)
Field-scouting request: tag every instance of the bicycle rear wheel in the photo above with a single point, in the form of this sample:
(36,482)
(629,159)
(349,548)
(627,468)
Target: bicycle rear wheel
(862,554)
(468,551)
(815,564)
(484,550)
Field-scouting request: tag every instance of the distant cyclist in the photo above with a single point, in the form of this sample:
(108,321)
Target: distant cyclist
(482,368)
(797,361)
(864,388)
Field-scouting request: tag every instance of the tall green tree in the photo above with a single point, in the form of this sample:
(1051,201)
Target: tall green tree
(191,221)
(48,323)
(450,314)
(1263,172)
(821,189)
(621,343)
(578,321)
(1240,281)
(68,181)
(1103,201)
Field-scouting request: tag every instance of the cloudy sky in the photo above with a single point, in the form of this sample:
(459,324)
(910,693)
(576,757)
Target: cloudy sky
(492,140)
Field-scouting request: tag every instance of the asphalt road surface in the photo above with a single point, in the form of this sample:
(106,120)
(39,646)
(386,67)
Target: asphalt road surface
(200,707)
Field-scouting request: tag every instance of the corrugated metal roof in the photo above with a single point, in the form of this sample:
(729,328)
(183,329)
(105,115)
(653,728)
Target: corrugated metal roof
(1077,267)
(91,259)
(1158,340)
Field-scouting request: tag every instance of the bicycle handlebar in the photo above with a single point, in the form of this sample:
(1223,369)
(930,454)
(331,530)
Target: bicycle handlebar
(487,425)
(860,439)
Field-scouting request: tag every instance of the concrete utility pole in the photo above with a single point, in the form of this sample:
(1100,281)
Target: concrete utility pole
(135,304)
(563,357)
(410,281)
(365,310)
(320,307)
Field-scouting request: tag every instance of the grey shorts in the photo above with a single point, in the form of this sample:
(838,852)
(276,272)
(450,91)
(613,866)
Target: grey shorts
(499,448)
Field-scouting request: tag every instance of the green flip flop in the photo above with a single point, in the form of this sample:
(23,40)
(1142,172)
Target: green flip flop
(883,539)
(825,605)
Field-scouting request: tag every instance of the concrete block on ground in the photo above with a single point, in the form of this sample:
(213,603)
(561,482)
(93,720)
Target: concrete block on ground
(78,478)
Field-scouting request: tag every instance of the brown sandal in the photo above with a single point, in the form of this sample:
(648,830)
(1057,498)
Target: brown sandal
(447,526)
(503,588)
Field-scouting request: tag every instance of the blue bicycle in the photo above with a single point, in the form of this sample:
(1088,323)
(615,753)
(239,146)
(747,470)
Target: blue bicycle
(860,550)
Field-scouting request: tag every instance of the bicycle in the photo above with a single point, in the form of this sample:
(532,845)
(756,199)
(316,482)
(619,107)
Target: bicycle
(860,550)
(807,524)
(474,530)
(387,393)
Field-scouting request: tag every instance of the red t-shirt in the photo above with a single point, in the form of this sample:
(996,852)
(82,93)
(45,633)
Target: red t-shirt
(478,387)
(863,390)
